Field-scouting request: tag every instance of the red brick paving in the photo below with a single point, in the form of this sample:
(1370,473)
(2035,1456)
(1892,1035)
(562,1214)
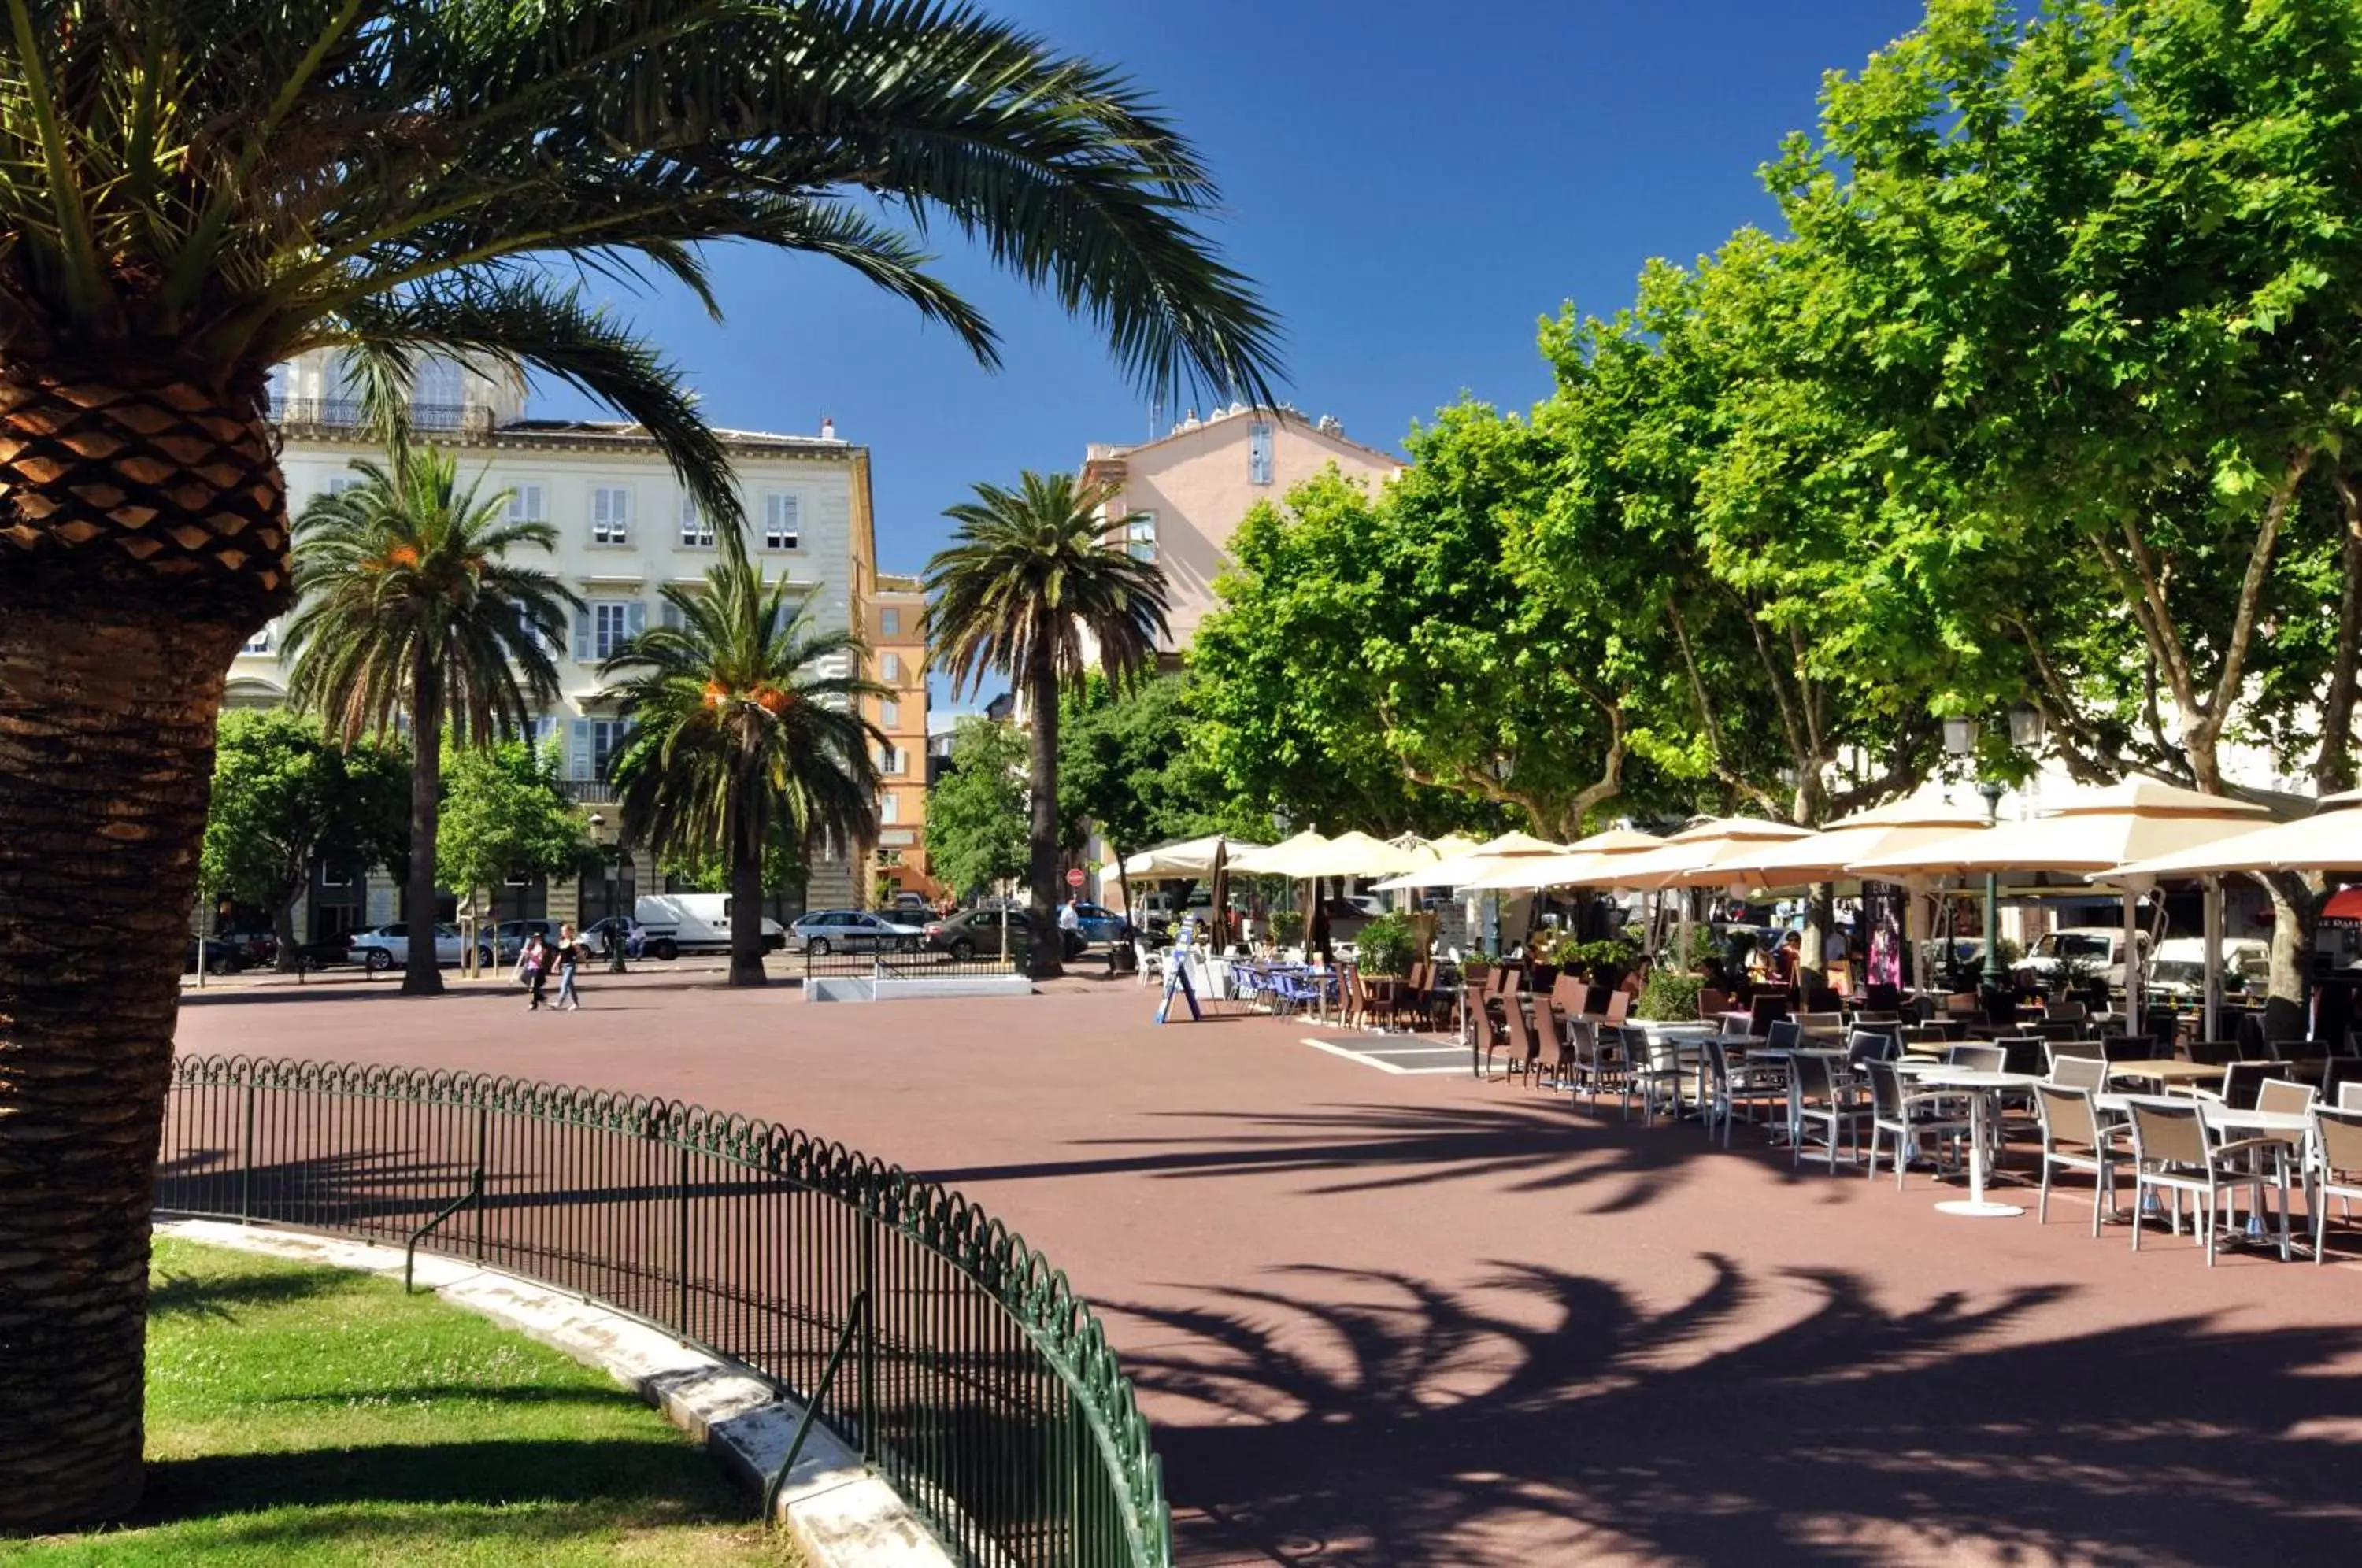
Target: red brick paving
(1424,1319)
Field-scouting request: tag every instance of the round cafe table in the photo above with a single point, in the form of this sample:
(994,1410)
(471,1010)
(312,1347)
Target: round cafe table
(1975,1206)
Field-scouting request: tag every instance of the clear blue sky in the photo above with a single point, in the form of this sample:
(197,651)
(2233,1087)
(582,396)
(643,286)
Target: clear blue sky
(1411,186)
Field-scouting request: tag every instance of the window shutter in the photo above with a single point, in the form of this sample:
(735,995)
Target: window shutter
(582,633)
(577,760)
(670,615)
(636,619)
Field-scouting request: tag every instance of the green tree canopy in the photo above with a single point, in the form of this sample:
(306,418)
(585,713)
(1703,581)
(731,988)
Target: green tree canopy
(284,797)
(504,814)
(977,831)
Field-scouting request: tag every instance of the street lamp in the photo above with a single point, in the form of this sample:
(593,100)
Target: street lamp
(1960,737)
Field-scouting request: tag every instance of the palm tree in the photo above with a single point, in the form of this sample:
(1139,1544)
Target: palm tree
(739,728)
(412,610)
(1029,583)
(193,192)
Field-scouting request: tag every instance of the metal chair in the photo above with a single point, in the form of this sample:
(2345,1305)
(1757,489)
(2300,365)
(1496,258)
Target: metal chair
(1818,1097)
(2080,1073)
(2335,1166)
(2073,1138)
(1651,1067)
(1910,1117)
(1730,1086)
(2173,1154)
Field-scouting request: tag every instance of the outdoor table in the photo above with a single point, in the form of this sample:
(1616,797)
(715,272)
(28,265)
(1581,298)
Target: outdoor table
(2168,1072)
(1983,1085)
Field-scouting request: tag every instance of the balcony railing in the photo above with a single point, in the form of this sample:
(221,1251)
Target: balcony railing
(589,791)
(344,414)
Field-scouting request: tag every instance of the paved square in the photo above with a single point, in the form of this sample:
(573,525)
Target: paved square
(1409,1318)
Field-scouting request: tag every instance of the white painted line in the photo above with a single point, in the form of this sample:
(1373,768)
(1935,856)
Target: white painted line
(1355,1055)
(1421,1051)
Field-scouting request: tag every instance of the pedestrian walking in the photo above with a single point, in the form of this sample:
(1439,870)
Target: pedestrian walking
(532,970)
(569,959)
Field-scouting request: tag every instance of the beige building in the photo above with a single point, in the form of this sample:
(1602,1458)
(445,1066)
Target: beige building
(896,609)
(625,531)
(1187,492)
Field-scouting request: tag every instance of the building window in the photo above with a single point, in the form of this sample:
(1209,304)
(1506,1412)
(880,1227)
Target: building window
(890,712)
(595,742)
(780,521)
(438,396)
(607,628)
(897,761)
(1140,535)
(610,514)
(889,666)
(335,877)
(889,807)
(889,622)
(528,503)
(696,528)
(339,483)
(1259,453)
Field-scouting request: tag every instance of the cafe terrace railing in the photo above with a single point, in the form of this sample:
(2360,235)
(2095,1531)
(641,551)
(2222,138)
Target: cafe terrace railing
(925,1334)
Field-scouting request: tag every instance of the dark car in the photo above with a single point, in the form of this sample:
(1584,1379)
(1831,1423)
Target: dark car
(222,957)
(978,934)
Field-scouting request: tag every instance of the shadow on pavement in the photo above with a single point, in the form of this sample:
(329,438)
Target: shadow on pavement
(1375,1418)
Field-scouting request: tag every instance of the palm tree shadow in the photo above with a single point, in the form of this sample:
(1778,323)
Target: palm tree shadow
(191,1296)
(1374,1418)
(1532,1146)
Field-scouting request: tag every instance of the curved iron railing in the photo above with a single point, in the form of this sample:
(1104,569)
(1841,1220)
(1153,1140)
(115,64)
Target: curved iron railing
(978,1384)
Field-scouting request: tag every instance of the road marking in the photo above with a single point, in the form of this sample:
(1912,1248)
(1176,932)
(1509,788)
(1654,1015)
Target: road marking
(1378,1056)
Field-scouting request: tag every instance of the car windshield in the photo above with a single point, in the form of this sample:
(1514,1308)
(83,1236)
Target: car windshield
(2071,945)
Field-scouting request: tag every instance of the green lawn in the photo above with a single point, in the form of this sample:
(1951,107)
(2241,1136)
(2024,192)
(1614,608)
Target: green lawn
(316,1415)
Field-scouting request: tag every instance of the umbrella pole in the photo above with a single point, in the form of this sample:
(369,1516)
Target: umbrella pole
(2210,898)
(2135,1023)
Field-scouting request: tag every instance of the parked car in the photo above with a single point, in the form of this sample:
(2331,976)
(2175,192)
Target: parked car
(388,946)
(908,904)
(978,934)
(602,934)
(694,922)
(1100,923)
(852,930)
(508,937)
(222,957)
(2177,973)
(2097,947)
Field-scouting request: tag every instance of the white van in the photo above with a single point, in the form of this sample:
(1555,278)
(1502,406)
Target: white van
(694,922)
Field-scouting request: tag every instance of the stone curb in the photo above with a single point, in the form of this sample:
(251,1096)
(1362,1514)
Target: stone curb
(841,1514)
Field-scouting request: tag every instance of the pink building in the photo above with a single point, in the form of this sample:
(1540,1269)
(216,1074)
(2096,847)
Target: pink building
(1188,492)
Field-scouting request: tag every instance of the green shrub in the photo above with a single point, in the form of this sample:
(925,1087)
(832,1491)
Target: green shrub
(1385,945)
(1669,997)
(1286,925)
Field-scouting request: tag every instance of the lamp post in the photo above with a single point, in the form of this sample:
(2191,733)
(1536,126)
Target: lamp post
(1961,738)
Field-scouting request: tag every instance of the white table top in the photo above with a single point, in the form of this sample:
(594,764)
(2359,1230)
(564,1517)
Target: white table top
(1944,1077)
(2221,1117)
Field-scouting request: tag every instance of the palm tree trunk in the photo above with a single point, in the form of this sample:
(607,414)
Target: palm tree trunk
(745,831)
(1048,949)
(421,975)
(143,535)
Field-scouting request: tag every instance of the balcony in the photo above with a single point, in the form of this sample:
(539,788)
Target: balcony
(589,791)
(343,414)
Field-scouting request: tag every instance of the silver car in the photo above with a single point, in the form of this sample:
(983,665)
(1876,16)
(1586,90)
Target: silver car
(852,930)
(388,946)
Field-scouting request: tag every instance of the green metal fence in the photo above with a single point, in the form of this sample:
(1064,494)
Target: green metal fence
(927,1335)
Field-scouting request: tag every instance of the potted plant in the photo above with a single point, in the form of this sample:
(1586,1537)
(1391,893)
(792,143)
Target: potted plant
(1384,946)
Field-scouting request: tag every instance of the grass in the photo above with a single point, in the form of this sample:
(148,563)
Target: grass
(314,1416)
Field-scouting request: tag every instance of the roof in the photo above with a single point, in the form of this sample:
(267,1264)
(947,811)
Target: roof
(591,432)
(1326,429)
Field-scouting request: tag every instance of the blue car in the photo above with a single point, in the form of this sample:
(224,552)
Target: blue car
(1099,924)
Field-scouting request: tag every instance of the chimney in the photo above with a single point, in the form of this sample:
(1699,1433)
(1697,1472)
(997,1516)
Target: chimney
(828,427)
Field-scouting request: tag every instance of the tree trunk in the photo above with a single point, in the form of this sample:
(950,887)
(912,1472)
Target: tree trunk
(1048,950)
(422,975)
(282,931)
(2334,770)
(745,830)
(127,582)
(2295,909)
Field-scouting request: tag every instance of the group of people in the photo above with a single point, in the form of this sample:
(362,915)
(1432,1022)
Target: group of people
(565,955)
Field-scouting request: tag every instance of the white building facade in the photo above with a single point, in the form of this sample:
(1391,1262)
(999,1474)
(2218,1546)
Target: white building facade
(626,529)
